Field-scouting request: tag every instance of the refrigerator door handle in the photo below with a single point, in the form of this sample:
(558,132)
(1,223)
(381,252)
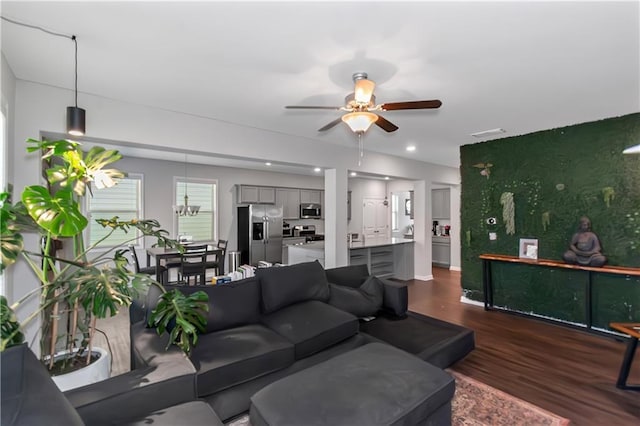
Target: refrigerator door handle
(266,230)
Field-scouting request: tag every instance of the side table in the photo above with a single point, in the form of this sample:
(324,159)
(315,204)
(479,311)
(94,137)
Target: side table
(633,330)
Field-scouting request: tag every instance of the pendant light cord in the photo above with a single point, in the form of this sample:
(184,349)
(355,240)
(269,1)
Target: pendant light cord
(71,37)
(35,27)
(75,42)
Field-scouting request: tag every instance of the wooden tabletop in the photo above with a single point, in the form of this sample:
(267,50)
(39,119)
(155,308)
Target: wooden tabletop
(619,270)
(630,328)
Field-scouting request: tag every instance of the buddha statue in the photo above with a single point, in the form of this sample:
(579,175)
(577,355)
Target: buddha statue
(585,246)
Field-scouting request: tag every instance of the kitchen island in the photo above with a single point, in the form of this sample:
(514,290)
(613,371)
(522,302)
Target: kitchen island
(307,252)
(385,257)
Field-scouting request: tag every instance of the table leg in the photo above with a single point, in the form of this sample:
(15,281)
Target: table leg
(626,366)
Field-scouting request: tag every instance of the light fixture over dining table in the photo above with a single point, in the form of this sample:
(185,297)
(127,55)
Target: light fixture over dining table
(185,209)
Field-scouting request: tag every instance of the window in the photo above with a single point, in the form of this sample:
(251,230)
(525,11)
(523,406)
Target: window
(201,193)
(123,200)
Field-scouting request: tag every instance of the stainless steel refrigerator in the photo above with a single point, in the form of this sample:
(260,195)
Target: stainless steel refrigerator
(260,233)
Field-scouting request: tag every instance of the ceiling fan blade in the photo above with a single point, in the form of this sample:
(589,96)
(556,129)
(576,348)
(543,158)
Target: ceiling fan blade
(330,125)
(411,105)
(311,107)
(385,124)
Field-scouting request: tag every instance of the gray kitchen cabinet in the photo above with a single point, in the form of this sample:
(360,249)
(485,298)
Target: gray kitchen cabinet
(310,196)
(440,203)
(441,251)
(256,194)
(289,199)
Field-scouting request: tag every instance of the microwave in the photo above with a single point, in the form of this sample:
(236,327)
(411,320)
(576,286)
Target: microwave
(310,211)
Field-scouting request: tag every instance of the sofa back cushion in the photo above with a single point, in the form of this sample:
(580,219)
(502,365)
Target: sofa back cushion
(285,285)
(351,276)
(230,305)
(363,301)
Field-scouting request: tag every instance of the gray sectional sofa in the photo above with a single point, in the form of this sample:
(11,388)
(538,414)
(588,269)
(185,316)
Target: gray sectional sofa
(269,332)
(287,319)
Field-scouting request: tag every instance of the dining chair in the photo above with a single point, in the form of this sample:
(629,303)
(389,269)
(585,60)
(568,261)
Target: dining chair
(149,270)
(218,262)
(193,264)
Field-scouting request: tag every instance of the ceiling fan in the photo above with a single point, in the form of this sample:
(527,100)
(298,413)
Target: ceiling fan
(361,107)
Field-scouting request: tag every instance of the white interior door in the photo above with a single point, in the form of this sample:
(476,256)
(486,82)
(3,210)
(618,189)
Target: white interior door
(375,220)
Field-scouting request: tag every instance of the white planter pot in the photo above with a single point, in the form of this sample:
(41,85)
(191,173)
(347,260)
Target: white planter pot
(94,372)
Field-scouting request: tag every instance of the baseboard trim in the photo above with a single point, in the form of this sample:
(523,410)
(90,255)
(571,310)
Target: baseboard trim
(455,268)
(424,277)
(471,302)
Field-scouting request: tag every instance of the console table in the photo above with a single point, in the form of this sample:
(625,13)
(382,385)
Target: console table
(487,285)
(633,330)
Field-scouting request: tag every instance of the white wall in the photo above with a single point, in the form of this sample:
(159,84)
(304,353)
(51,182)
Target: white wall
(42,108)
(7,105)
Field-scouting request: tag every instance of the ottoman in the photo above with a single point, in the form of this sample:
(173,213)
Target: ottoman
(375,384)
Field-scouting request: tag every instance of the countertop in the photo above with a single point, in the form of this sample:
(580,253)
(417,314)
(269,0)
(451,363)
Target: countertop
(313,245)
(379,242)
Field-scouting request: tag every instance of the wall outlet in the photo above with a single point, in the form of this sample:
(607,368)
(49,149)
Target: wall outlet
(493,236)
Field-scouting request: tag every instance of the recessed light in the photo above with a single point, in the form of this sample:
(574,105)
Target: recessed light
(317,170)
(354,174)
(490,132)
(411,148)
(386,178)
(267,164)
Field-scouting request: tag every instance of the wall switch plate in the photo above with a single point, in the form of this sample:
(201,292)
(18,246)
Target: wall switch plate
(493,236)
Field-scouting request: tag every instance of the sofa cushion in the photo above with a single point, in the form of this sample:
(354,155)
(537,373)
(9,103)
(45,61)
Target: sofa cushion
(230,305)
(375,384)
(228,357)
(193,413)
(363,301)
(350,276)
(286,285)
(438,342)
(312,326)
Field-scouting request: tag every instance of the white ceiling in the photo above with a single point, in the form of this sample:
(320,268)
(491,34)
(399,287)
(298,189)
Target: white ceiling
(520,66)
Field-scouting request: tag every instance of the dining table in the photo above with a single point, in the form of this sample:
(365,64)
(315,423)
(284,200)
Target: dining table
(161,254)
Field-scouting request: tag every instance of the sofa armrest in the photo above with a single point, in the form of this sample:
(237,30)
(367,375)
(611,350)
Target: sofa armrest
(396,298)
(163,378)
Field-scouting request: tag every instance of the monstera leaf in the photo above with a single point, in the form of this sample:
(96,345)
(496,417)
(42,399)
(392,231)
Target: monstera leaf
(59,214)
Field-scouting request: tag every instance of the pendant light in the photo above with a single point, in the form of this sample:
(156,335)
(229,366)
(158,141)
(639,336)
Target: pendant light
(185,209)
(75,115)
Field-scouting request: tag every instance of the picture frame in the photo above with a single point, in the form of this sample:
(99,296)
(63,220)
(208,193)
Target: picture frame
(407,206)
(528,248)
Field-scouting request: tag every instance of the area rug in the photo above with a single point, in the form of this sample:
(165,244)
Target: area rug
(477,404)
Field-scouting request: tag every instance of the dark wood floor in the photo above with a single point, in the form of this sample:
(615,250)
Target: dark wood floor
(566,371)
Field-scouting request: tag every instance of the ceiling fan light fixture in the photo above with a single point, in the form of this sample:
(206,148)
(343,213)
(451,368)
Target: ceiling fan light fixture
(363,91)
(359,121)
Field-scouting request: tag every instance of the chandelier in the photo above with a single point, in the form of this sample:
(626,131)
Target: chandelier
(185,209)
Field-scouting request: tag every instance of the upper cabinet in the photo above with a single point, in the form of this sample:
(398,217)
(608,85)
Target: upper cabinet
(289,199)
(256,194)
(440,203)
(310,196)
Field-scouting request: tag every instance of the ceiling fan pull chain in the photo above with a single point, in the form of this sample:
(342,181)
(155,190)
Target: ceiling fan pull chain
(360,148)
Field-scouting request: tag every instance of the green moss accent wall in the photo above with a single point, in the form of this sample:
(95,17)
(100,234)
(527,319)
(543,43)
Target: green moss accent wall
(556,176)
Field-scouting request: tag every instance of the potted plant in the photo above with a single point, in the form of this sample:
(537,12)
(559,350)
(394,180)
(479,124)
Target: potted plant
(80,284)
